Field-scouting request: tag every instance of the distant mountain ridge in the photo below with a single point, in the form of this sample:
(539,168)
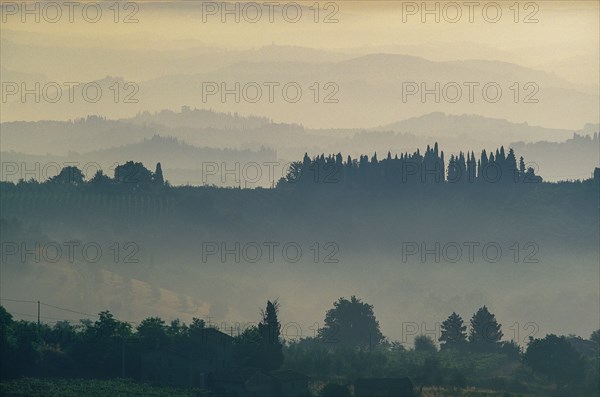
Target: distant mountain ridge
(439,124)
(380,77)
(183,162)
(198,118)
(186,138)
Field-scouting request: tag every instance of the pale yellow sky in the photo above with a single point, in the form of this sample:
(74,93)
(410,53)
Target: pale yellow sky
(565,40)
(360,23)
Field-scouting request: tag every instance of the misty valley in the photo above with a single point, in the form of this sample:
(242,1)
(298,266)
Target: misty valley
(300,199)
(384,230)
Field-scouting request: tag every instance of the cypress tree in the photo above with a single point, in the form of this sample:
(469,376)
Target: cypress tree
(270,337)
(521,168)
(158,175)
(511,165)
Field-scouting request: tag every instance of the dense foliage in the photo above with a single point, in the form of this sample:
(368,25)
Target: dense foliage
(32,387)
(415,168)
(110,349)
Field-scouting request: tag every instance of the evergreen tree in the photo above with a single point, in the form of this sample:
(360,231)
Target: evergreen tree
(485,331)
(270,337)
(305,174)
(453,170)
(348,174)
(158,175)
(482,165)
(339,159)
(462,167)
(453,332)
(510,170)
(294,172)
(521,168)
(443,165)
(471,167)
(413,168)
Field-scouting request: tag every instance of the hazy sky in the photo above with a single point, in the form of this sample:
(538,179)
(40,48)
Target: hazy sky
(558,37)
(562,29)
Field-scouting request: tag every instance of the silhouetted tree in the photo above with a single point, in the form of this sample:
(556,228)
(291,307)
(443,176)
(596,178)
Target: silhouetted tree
(511,349)
(521,167)
(485,330)
(158,175)
(471,167)
(69,175)
(554,357)
(483,163)
(531,177)
(246,347)
(99,178)
(176,329)
(454,333)
(108,326)
(425,343)
(294,172)
(407,169)
(99,348)
(152,332)
(510,167)
(8,343)
(133,173)
(271,345)
(351,323)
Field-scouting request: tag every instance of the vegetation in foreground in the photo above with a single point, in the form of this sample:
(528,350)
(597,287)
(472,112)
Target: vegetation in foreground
(35,387)
(471,360)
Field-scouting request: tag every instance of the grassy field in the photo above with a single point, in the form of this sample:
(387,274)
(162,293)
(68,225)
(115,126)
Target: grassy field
(469,392)
(31,387)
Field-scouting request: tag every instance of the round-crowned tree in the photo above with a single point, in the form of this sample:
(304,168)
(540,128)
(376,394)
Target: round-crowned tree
(351,323)
(554,357)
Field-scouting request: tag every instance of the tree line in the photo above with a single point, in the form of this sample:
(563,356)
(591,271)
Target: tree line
(411,168)
(129,173)
(110,348)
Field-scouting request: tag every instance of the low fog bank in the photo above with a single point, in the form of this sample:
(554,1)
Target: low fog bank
(530,254)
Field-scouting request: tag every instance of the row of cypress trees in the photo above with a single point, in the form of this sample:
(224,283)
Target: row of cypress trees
(412,168)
